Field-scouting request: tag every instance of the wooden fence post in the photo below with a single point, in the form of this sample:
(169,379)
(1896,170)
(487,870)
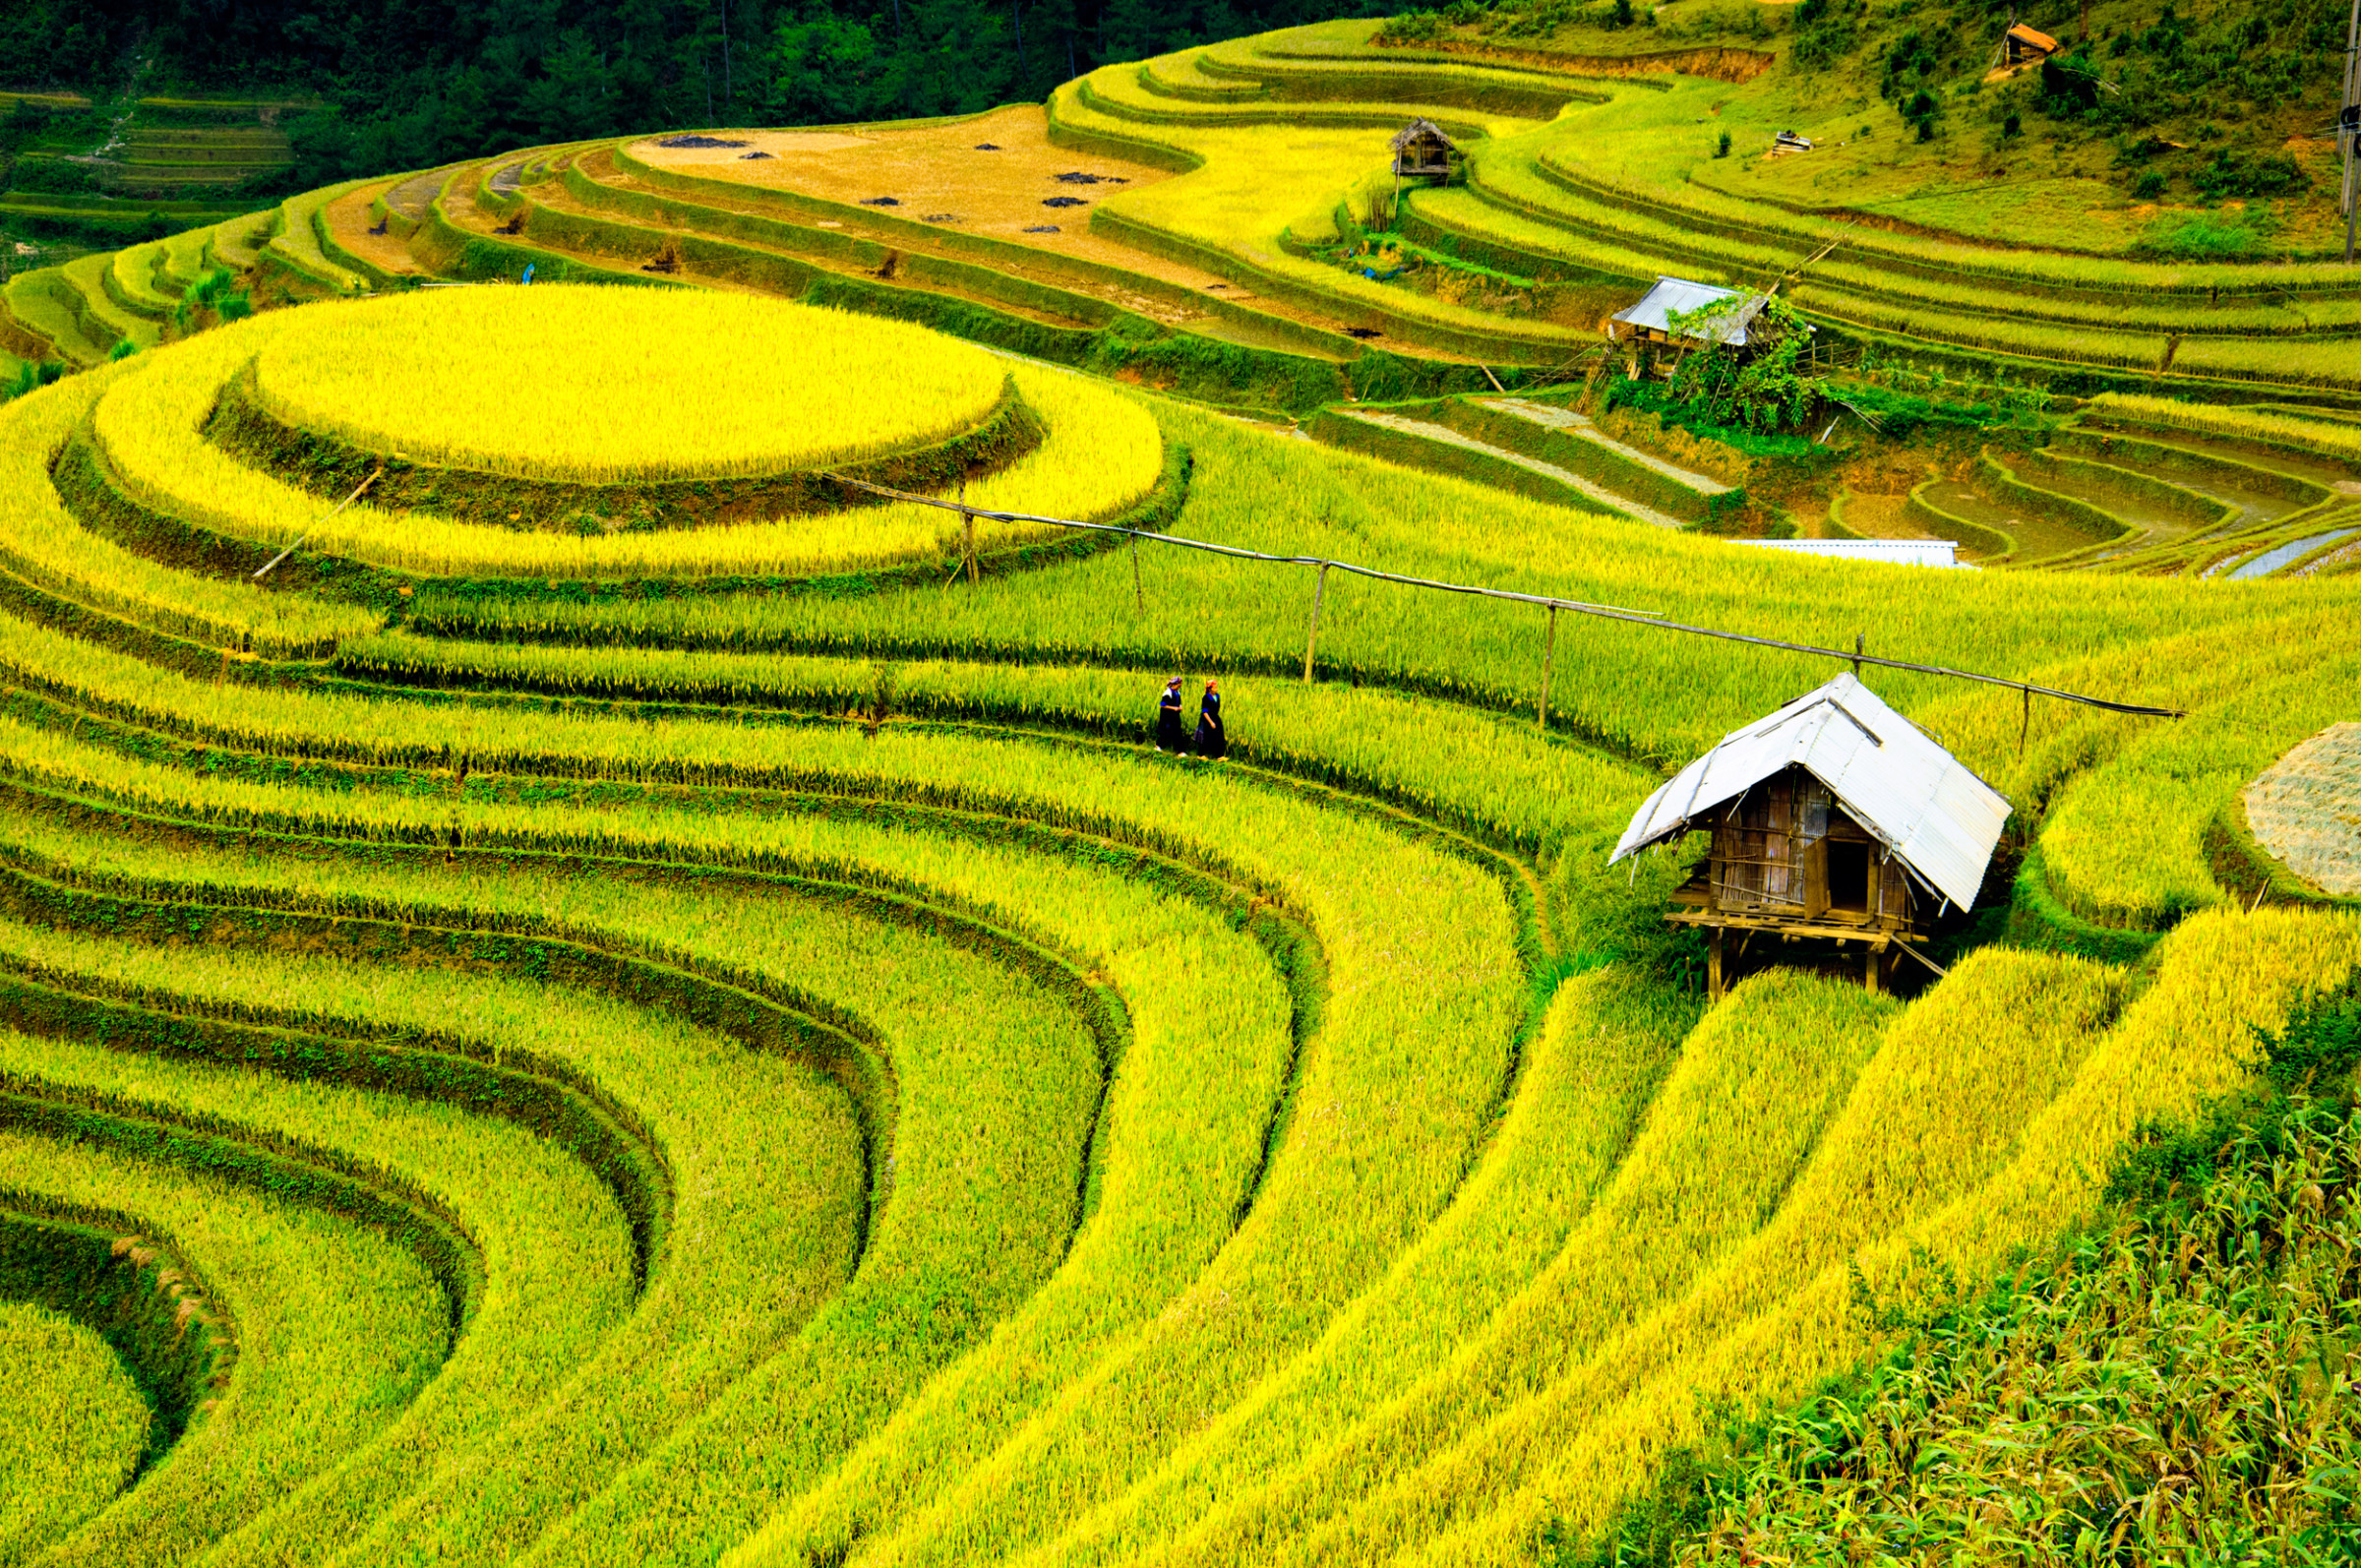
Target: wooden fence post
(1139,595)
(974,575)
(1320,591)
(1548,653)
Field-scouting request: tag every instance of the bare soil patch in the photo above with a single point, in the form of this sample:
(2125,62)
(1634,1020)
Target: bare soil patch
(1882,517)
(413,196)
(2306,810)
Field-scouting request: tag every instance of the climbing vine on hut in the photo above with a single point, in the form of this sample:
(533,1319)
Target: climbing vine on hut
(1749,371)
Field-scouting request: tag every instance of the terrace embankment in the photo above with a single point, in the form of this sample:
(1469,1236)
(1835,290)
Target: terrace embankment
(352,226)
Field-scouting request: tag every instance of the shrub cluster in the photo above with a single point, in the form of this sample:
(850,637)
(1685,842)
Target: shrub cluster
(2255,55)
(1826,32)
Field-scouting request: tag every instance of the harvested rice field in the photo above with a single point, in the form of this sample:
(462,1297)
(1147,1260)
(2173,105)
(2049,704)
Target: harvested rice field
(2306,810)
(352,225)
(941,174)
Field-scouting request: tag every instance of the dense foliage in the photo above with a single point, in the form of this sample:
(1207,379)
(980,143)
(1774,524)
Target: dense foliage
(1751,372)
(412,84)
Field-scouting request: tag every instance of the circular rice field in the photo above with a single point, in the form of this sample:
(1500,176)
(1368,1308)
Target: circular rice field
(238,443)
(602,386)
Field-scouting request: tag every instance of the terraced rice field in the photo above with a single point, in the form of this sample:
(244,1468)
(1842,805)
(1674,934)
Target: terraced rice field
(1200,196)
(1197,191)
(592,979)
(616,1010)
(177,147)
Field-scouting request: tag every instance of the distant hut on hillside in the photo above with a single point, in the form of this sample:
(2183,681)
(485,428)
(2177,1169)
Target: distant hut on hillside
(1422,151)
(2022,44)
(1648,321)
(1835,820)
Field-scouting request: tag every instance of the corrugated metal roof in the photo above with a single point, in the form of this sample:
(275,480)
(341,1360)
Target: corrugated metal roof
(1886,773)
(1680,294)
(1902,552)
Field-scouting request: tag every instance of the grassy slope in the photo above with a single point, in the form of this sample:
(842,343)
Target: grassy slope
(2061,182)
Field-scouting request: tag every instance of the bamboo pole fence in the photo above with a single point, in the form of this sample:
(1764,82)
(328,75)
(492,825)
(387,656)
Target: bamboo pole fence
(1653,619)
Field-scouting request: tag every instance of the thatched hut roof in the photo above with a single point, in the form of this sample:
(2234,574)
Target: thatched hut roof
(1420,131)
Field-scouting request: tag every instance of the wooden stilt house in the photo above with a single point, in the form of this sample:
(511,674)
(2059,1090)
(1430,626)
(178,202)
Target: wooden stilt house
(1834,819)
(1422,151)
(1648,320)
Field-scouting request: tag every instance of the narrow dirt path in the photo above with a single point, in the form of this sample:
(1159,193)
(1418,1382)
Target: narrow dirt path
(1564,477)
(1580,426)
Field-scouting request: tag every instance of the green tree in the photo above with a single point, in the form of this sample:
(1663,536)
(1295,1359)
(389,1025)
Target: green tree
(821,69)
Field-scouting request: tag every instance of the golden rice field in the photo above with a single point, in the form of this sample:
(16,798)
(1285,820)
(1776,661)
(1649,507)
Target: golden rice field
(648,1035)
(1100,456)
(777,387)
(75,1425)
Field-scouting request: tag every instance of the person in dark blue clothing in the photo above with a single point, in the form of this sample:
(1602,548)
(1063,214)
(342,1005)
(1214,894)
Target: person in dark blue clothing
(1170,736)
(1213,742)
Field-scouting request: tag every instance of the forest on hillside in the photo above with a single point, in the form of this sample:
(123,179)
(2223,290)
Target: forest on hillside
(407,83)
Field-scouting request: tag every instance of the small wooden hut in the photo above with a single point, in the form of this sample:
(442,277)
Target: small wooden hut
(2022,44)
(1422,151)
(1833,819)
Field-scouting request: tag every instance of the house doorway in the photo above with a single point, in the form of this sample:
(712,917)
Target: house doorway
(1849,868)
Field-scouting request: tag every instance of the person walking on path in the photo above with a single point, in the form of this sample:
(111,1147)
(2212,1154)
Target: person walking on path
(1170,736)
(1213,742)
